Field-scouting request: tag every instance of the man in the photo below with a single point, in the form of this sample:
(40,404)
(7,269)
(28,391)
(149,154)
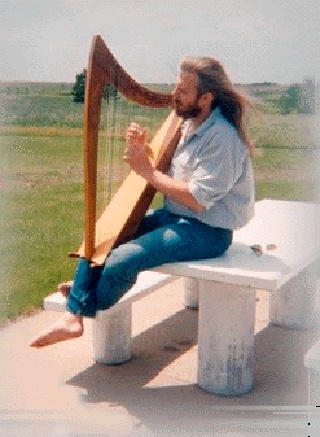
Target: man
(209,192)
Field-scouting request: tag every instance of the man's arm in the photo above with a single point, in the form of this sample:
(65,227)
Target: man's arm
(137,157)
(177,191)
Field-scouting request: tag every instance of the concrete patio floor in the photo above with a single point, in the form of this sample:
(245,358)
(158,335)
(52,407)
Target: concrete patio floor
(59,391)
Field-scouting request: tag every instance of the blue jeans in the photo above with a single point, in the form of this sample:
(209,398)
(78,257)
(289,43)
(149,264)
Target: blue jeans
(161,238)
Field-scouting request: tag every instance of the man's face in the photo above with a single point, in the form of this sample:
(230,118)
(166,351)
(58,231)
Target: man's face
(185,96)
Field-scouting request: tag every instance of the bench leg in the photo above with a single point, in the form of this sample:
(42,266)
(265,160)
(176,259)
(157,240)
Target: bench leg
(191,293)
(292,306)
(112,335)
(226,338)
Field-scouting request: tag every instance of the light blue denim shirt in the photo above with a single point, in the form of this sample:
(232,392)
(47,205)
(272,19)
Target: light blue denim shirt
(216,164)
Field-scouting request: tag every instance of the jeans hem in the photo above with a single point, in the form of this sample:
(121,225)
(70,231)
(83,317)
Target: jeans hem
(81,312)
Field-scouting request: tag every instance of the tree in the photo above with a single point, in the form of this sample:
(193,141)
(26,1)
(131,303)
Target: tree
(110,92)
(299,98)
(79,87)
(290,101)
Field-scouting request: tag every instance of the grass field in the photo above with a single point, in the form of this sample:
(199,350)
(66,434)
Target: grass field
(41,186)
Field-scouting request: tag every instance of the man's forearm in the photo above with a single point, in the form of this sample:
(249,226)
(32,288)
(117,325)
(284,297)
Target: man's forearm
(177,191)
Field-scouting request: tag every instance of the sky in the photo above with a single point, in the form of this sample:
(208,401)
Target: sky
(256,40)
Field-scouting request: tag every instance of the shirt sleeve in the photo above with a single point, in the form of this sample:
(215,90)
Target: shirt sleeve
(219,165)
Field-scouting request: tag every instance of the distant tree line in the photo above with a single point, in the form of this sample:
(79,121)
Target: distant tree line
(256,84)
(36,89)
(78,90)
(299,98)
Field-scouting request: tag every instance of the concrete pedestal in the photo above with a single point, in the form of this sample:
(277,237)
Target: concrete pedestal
(226,338)
(191,293)
(112,332)
(293,305)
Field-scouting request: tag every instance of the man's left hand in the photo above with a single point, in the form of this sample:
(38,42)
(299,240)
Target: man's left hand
(136,152)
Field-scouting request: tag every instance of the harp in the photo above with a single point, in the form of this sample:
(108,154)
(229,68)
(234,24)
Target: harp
(121,217)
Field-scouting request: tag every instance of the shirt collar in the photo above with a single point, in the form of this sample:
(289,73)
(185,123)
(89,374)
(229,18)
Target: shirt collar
(208,122)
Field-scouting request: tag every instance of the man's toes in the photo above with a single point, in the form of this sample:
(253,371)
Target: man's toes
(65,288)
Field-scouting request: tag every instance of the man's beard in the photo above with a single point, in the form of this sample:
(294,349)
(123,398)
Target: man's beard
(191,111)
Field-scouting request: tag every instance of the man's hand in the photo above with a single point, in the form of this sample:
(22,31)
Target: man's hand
(136,153)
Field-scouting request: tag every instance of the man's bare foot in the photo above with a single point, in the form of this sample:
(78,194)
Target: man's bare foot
(65,288)
(67,327)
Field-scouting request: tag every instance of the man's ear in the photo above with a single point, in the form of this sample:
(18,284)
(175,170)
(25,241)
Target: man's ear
(207,99)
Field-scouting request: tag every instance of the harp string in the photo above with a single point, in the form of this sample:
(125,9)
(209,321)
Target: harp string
(117,116)
(119,112)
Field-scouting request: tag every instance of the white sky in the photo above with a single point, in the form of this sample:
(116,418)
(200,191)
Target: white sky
(256,40)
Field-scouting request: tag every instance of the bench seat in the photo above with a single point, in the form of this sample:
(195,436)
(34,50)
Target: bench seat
(147,282)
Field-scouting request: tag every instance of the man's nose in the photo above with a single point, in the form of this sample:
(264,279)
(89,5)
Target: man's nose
(175,95)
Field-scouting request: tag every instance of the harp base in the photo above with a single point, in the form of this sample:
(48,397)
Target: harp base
(73,255)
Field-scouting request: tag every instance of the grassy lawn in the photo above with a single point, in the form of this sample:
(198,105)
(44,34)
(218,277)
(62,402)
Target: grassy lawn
(41,194)
(41,200)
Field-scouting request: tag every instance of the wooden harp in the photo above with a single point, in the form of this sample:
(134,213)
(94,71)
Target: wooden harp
(122,215)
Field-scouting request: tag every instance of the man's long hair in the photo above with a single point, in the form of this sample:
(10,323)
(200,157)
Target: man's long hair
(213,78)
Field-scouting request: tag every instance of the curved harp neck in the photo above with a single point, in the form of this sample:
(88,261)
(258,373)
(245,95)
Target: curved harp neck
(104,69)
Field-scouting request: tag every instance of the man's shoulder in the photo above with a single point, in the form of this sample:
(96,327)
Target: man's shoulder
(223,134)
(221,127)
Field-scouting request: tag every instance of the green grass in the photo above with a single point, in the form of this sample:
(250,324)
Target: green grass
(41,200)
(41,194)
(40,111)
(61,112)
(294,131)
(39,232)
(286,190)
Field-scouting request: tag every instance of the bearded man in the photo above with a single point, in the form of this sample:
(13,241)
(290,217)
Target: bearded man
(208,193)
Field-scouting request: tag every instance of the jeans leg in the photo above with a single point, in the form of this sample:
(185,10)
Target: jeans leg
(179,240)
(82,296)
(153,219)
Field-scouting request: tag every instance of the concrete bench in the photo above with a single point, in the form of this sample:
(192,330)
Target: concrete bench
(312,358)
(276,251)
